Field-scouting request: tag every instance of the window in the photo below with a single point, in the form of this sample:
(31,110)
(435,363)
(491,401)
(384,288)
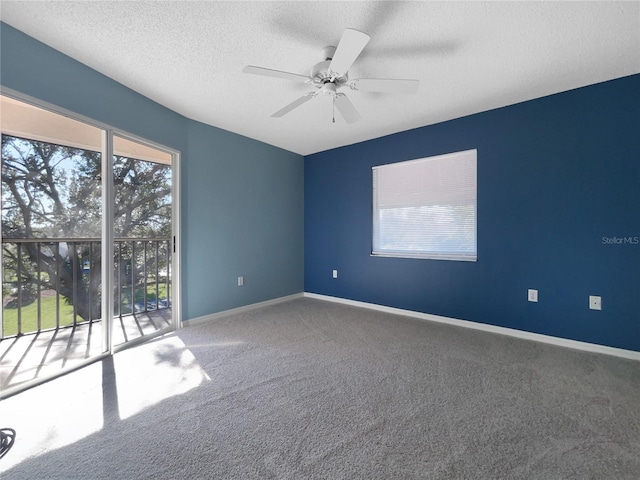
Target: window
(426,208)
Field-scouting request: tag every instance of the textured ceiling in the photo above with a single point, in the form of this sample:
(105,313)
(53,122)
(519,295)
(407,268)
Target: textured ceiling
(469,57)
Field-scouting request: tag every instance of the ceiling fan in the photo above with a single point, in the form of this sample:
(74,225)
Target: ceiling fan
(332,74)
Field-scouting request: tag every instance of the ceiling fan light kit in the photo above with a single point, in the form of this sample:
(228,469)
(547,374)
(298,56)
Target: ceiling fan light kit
(332,74)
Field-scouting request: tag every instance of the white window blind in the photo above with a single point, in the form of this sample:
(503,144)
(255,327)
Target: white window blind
(426,208)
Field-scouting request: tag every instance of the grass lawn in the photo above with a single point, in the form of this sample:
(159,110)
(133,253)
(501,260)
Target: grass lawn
(30,316)
(48,311)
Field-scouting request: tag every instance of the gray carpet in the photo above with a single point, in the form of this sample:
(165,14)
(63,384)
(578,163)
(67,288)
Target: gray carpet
(314,390)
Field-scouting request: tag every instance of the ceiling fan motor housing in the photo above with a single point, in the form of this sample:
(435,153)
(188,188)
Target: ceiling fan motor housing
(320,73)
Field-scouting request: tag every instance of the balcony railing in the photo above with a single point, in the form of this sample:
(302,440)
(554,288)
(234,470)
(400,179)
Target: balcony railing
(56,283)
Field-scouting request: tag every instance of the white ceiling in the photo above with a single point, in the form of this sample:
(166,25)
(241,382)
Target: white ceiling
(469,56)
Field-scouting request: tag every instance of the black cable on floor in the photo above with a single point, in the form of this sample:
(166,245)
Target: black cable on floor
(7,438)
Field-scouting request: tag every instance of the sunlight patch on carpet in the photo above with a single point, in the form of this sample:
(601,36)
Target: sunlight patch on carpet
(71,408)
(163,368)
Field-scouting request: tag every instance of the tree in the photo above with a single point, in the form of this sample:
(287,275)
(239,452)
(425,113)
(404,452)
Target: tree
(53,192)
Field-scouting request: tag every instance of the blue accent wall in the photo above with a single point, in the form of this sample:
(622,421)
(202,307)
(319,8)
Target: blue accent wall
(557,177)
(241,200)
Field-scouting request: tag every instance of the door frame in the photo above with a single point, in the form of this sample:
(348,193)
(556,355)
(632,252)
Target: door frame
(107,236)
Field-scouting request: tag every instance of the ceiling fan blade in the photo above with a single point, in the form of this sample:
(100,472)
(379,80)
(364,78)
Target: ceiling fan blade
(385,85)
(350,46)
(346,108)
(295,104)
(267,72)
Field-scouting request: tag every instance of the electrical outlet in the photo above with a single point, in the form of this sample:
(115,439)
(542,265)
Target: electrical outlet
(532,295)
(240,281)
(335,274)
(595,302)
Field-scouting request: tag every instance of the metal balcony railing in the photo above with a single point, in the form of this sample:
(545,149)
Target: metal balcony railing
(57,283)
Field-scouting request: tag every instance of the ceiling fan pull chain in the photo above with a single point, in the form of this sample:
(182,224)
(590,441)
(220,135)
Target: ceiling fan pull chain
(333,104)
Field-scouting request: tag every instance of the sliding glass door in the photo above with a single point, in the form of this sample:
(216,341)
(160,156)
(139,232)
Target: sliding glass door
(85,211)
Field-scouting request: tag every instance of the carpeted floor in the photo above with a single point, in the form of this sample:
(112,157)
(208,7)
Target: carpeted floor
(314,390)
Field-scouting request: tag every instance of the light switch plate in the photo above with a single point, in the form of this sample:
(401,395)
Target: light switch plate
(532,295)
(595,302)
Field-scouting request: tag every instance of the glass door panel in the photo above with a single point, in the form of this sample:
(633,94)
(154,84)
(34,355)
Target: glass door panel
(51,242)
(143,240)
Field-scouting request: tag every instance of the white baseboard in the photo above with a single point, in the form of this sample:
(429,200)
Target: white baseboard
(537,337)
(233,311)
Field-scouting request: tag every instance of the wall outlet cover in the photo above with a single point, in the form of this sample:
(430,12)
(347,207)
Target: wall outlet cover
(532,295)
(595,302)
